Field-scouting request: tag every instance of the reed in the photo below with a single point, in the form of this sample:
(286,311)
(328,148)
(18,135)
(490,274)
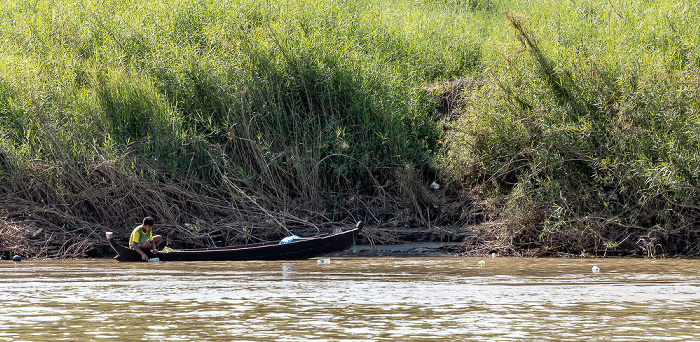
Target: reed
(567,126)
(585,134)
(253,113)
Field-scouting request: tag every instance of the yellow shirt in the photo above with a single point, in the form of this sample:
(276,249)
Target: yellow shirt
(139,236)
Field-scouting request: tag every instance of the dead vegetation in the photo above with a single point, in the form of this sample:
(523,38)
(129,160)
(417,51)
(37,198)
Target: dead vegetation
(39,222)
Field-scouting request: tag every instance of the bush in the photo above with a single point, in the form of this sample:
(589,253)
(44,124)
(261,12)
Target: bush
(589,133)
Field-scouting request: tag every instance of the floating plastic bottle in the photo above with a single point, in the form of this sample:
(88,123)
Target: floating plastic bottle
(481,263)
(595,269)
(154,260)
(323,261)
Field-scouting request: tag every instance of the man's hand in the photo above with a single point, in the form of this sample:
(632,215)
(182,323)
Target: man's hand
(155,251)
(144,257)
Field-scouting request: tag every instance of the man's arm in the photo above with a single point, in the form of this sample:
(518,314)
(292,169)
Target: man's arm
(153,247)
(137,248)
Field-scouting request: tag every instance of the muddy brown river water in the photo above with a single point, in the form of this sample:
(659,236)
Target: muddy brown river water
(352,299)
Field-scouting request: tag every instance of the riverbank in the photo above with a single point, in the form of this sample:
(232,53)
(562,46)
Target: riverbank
(567,129)
(410,249)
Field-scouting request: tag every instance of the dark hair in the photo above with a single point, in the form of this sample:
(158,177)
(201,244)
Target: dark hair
(147,221)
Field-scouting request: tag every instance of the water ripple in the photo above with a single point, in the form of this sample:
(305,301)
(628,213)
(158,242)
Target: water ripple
(358,299)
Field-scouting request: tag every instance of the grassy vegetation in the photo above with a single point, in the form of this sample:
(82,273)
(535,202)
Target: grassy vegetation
(585,135)
(573,124)
(257,114)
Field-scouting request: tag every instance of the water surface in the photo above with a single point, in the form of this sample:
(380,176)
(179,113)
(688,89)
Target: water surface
(351,299)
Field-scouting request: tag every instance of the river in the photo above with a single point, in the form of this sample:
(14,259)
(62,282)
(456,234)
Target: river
(352,299)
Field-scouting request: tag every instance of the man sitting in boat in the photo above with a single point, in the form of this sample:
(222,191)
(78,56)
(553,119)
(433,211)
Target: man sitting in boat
(142,238)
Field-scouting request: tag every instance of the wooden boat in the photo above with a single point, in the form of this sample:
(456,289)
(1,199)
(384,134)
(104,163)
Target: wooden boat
(301,248)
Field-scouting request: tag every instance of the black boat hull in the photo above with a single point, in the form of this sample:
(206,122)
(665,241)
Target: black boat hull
(303,248)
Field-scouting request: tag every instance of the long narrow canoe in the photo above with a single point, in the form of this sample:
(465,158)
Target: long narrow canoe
(301,248)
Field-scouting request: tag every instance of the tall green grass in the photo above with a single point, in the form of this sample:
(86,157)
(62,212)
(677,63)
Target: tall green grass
(111,110)
(586,129)
(575,122)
